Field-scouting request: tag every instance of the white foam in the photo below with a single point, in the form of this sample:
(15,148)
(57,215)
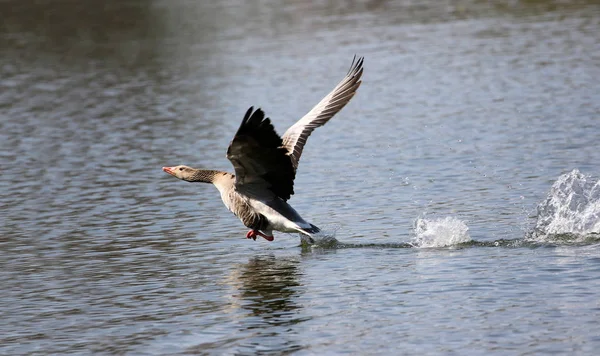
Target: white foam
(325,237)
(571,207)
(442,232)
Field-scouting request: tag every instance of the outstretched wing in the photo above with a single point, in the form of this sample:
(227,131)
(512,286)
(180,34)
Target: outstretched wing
(259,159)
(295,137)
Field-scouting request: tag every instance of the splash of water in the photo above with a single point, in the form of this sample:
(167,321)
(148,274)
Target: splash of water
(572,208)
(444,232)
(324,238)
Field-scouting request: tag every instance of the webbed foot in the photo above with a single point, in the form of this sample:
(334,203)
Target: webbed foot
(252,234)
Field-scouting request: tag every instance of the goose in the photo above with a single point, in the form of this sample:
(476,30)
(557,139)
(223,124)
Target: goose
(265,165)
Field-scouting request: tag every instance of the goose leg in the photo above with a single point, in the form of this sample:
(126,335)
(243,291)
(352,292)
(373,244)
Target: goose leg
(267,237)
(251,235)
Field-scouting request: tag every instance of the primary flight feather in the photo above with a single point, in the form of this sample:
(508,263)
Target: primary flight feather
(265,164)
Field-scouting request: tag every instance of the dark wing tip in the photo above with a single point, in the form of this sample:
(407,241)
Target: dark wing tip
(259,127)
(253,119)
(356,66)
(247,115)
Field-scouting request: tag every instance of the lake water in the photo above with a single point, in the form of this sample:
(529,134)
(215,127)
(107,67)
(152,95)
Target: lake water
(428,180)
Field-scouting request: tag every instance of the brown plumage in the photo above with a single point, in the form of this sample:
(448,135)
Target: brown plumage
(265,164)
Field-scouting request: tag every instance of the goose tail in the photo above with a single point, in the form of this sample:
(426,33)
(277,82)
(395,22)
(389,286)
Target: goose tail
(312,230)
(306,234)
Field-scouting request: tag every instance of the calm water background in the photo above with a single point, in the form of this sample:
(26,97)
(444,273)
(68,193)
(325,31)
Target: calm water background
(468,109)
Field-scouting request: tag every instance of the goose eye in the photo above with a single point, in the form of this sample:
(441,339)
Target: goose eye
(181,169)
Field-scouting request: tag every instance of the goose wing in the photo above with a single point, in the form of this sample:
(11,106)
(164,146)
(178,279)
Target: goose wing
(260,161)
(295,137)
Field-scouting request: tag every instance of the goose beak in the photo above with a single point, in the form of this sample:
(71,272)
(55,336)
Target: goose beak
(168,170)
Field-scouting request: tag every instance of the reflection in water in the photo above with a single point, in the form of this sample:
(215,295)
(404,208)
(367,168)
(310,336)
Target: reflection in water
(473,105)
(267,289)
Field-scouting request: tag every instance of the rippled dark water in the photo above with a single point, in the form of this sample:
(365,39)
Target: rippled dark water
(467,109)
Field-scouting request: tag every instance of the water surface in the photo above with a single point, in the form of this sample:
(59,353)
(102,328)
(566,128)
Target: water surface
(468,110)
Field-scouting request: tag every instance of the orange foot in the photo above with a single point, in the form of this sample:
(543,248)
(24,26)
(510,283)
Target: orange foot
(252,234)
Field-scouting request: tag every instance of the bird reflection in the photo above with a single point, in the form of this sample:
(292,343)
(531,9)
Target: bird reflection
(268,288)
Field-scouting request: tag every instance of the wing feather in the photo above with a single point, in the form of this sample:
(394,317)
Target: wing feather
(259,160)
(295,137)
(264,161)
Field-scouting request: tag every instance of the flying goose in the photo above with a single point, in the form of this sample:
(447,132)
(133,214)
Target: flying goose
(265,165)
